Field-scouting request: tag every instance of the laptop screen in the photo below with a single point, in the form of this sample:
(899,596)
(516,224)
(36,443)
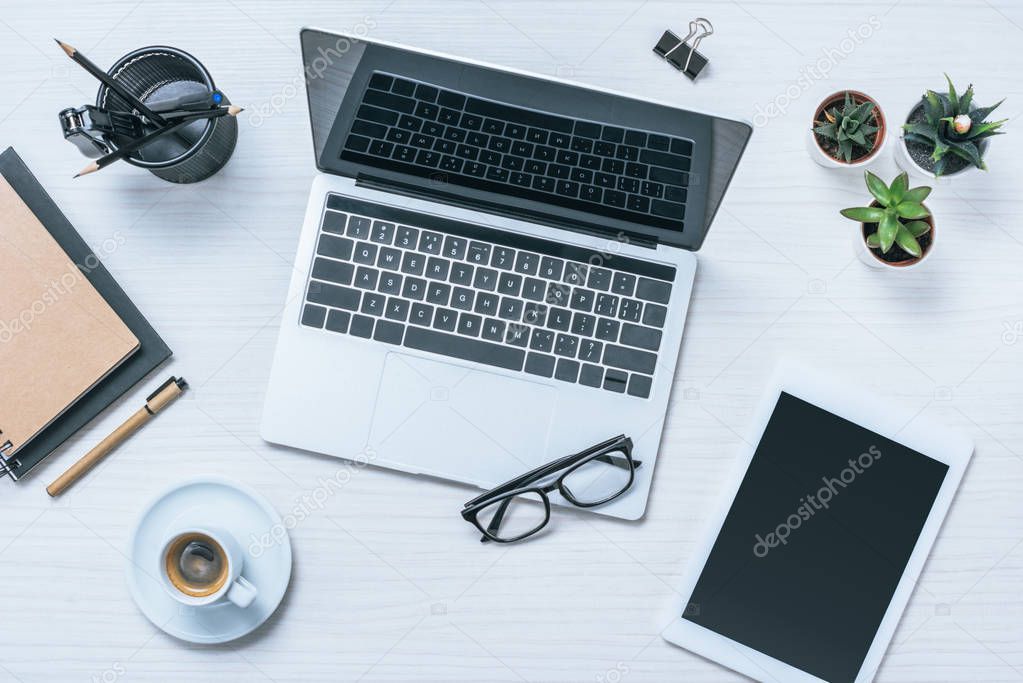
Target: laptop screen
(516,144)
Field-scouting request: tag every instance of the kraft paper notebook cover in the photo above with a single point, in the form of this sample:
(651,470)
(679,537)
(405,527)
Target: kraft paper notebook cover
(58,336)
(150,351)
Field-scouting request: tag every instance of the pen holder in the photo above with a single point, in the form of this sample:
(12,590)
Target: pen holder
(157,73)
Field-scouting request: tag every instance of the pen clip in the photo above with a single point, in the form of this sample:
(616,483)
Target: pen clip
(180,381)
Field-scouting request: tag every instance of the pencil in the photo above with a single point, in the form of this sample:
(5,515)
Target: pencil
(112,84)
(173,115)
(134,145)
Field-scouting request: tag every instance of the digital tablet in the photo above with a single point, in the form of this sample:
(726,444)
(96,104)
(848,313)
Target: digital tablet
(821,535)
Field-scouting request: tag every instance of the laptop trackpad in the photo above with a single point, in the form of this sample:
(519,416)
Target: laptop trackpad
(474,426)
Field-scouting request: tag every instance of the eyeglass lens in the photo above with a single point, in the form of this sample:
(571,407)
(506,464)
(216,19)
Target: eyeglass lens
(515,517)
(599,479)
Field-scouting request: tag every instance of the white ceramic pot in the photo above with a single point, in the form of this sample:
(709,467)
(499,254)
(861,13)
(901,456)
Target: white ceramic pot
(869,256)
(905,162)
(818,154)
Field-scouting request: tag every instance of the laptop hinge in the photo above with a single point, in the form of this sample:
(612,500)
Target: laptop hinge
(433,194)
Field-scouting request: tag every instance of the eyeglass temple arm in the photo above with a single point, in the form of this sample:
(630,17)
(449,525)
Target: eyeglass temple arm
(619,461)
(495,523)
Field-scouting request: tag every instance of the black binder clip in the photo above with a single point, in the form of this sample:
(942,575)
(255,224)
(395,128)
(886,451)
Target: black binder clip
(681,53)
(87,128)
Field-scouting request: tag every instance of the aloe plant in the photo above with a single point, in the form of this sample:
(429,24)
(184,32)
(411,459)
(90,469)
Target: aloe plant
(898,217)
(950,127)
(849,127)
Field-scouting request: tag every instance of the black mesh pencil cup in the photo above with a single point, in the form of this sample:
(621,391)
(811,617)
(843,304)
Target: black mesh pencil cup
(196,151)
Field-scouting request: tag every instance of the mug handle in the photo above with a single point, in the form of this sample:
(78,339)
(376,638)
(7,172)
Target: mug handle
(242,592)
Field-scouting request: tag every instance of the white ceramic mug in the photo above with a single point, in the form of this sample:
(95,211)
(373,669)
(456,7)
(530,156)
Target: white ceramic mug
(229,586)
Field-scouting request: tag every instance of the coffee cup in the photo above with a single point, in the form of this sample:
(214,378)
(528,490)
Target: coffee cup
(202,566)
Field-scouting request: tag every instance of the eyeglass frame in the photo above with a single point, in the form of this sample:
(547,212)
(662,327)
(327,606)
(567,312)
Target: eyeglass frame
(520,485)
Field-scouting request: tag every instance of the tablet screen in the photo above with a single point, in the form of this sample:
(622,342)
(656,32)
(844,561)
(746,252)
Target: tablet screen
(816,541)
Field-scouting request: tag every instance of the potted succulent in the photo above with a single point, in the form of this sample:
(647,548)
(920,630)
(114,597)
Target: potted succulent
(848,130)
(897,229)
(946,134)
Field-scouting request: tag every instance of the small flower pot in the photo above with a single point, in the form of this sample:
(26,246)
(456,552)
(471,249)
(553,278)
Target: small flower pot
(826,154)
(896,257)
(915,158)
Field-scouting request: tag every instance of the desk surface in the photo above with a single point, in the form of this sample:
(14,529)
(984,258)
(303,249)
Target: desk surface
(389,584)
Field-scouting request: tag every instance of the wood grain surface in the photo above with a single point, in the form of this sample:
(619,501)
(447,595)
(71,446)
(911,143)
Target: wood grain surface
(389,582)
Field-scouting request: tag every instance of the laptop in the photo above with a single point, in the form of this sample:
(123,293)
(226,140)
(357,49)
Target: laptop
(494,268)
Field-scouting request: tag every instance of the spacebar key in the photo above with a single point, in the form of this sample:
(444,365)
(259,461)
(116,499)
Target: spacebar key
(465,348)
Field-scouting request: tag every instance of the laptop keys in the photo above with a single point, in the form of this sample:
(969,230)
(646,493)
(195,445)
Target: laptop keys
(503,258)
(540,364)
(397,309)
(413,263)
(382,232)
(566,370)
(430,242)
(366,278)
(445,319)
(335,247)
(373,304)
(551,268)
(333,271)
(466,298)
(390,283)
(421,314)
(361,326)
(338,321)
(365,253)
(359,227)
(464,348)
(406,237)
(313,316)
(640,337)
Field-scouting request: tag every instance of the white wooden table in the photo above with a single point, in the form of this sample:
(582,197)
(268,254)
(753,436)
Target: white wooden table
(389,583)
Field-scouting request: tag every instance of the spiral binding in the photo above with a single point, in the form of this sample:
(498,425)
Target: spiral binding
(6,466)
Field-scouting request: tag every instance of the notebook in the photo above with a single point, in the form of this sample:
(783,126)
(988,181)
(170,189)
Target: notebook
(58,336)
(51,388)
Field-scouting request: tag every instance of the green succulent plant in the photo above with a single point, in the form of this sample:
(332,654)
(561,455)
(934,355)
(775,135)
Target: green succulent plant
(897,217)
(950,127)
(850,127)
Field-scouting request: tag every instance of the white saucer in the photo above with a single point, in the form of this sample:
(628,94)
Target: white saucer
(236,509)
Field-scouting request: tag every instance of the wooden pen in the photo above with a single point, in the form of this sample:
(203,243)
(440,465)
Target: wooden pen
(156,402)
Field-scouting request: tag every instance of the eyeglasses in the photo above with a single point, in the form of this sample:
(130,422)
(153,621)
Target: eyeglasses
(519,508)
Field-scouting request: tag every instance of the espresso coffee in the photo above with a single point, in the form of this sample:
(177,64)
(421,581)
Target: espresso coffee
(196,565)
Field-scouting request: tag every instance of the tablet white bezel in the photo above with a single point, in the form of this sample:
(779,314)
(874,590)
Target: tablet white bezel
(861,407)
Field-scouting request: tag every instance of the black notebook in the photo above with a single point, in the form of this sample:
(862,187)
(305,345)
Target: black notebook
(152,350)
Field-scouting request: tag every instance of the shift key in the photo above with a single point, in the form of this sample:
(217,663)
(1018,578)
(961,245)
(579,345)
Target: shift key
(333,295)
(630,359)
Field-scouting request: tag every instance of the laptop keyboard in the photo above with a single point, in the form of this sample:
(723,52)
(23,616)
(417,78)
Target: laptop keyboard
(488,296)
(417,128)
